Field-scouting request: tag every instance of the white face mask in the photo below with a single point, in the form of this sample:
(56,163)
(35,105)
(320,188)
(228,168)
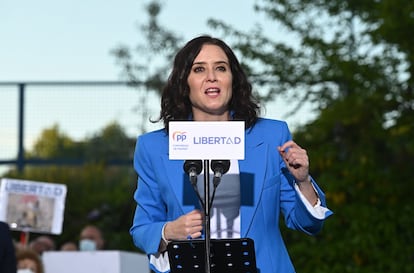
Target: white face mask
(87,245)
(24,270)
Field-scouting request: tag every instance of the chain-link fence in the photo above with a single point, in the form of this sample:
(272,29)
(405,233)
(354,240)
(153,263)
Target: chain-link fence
(79,109)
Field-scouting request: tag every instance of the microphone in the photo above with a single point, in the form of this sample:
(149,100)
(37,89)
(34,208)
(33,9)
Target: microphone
(193,168)
(219,167)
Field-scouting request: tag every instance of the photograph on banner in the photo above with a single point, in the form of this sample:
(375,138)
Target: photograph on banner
(32,206)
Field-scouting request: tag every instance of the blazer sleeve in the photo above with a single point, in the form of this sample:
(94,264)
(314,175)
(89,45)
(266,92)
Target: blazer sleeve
(295,212)
(150,213)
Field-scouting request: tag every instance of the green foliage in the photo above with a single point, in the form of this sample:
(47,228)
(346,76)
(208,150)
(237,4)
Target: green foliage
(109,145)
(354,61)
(52,143)
(352,159)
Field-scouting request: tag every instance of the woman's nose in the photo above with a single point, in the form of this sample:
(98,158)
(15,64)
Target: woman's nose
(211,76)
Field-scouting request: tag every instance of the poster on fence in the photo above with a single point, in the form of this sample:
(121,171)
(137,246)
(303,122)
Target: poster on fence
(32,206)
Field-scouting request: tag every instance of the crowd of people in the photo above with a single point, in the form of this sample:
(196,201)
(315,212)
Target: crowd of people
(21,257)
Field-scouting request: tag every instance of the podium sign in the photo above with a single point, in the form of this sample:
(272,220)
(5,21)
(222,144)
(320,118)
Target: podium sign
(206,140)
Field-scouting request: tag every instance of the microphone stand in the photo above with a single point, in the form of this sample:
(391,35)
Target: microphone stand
(193,168)
(207,215)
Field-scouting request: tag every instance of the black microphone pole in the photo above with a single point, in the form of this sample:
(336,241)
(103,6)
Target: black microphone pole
(219,167)
(193,168)
(207,215)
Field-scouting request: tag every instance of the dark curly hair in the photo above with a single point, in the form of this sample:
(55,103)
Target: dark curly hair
(175,102)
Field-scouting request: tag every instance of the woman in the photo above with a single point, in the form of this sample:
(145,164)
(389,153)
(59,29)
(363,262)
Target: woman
(29,261)
(207,83)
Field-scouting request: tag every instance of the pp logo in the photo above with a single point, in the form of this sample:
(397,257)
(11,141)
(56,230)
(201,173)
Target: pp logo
(179,136)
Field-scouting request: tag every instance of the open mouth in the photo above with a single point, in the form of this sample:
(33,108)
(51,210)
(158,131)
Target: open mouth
(212,91)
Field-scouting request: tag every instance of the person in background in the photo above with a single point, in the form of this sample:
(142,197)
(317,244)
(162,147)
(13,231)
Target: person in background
(42,243)
(29,261)
(91,238)
(69,246)
(7,250)
(207,83)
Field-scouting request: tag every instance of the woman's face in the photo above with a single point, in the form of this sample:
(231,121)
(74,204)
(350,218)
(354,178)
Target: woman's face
(27,264)
(210,82)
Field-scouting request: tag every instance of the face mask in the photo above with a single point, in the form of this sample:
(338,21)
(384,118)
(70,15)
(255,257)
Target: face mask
(24,270)
(87,245)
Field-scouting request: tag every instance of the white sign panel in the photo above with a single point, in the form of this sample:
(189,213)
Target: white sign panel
(32,206)
(102,261)
(206,140)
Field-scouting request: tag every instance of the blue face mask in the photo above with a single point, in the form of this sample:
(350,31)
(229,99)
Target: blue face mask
(87,245)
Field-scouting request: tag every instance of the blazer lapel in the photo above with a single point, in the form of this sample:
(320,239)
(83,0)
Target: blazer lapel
(252,170)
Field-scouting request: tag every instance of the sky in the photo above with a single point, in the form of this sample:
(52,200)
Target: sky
(49,40)
(71,40)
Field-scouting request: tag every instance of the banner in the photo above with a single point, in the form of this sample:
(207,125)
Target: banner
(32,206)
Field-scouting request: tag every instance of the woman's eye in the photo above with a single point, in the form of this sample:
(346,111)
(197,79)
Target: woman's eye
(221,68)
(198,69)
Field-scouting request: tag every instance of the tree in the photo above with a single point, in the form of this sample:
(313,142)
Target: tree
(112,144)
(53,143)
(147,66)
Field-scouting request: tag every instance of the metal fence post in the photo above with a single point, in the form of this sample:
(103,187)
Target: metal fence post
(20,153)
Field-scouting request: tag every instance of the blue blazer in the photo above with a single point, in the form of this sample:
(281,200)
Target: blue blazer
(164,193)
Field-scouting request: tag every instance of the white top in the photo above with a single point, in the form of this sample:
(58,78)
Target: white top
(225,209)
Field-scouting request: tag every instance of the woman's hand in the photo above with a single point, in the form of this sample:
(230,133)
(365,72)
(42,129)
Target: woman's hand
(184,227)
(296,160)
